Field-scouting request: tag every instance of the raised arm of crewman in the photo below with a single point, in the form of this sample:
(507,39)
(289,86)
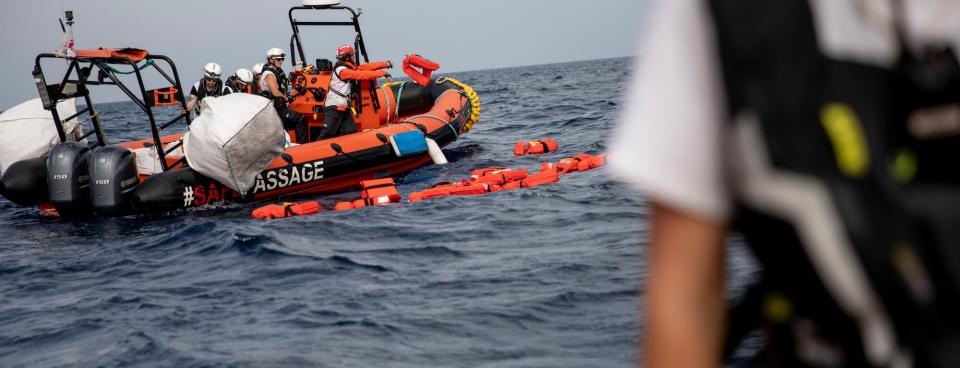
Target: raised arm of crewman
(375,65)
(346,73)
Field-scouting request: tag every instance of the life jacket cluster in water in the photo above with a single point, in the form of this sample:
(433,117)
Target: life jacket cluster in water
(536,147)
(496,179)
(287,209)
(381,192)
(377,192)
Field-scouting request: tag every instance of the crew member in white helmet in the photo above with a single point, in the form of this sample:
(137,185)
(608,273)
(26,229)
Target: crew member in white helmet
(274,85)
(257,71)
(240,82)
(210,85)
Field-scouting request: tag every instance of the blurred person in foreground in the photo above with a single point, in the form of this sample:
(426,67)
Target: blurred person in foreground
(826,133)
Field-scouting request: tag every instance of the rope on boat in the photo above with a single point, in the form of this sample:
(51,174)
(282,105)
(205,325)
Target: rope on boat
(467,91)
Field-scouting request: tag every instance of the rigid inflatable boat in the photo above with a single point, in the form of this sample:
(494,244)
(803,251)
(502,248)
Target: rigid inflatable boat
(397,123)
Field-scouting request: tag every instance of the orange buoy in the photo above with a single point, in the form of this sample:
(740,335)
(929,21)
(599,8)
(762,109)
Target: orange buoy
(422,76)
(287,209)
(536,147)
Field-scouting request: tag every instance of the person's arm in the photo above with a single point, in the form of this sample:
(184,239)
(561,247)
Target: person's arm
(192,102)
(375,65)
(272,83)
(670,144)
(353,74)
(687,310)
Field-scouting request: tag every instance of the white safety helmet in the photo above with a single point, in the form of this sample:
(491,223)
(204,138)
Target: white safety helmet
(275,53)
(257,68)
(244,75)
(211,70)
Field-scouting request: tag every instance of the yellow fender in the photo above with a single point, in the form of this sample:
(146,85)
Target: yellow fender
(474,101)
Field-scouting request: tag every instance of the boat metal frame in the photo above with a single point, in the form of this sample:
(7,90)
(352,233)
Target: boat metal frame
(77,77)
(296,44)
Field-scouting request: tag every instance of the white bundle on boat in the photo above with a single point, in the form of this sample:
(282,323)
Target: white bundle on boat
(27,130)
(234,139)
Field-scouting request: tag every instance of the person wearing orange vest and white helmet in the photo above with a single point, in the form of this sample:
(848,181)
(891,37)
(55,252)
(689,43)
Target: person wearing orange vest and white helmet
(337,117)
(275,85)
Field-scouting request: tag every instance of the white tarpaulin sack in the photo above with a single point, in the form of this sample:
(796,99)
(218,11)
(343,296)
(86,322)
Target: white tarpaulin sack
(27,130)
(235,138)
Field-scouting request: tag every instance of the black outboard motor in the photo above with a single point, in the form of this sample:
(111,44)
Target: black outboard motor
(68,179)
(113,179)
(24,182)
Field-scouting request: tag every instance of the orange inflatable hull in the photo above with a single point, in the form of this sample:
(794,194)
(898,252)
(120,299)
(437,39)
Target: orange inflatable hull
(442,110)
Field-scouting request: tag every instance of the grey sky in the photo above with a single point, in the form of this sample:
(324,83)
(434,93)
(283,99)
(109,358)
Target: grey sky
(460,35)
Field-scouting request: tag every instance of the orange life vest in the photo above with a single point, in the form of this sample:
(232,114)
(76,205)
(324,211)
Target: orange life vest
(535,147)
(431,193)
(461,188)
(377,192)
(485,171)
(343,206)
(501,177)
(287,209)
(421,77)
(580,162)
(471,189)
(543,177)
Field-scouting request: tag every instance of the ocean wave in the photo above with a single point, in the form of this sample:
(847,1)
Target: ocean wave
(535,277)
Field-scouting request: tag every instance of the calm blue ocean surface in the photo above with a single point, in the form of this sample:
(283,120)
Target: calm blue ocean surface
(542,277)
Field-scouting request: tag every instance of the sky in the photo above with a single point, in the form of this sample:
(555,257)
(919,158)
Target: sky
(459,35)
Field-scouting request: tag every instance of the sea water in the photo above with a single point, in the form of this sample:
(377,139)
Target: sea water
(544,277)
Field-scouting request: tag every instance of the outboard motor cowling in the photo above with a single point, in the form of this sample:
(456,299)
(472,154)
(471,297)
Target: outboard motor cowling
(68,179)
(25,182)
(113,180)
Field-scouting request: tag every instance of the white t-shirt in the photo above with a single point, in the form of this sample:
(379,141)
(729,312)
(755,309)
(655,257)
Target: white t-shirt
(669,139)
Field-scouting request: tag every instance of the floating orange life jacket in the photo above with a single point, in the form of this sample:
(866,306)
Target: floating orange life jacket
(379,192)
(450,189)
(431,193)
(486,171)
(350,205)
(535,147)
(543,177)
(343,206)
(580,162)
(501,177)
(592,162)
(287,209)
(472,189)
